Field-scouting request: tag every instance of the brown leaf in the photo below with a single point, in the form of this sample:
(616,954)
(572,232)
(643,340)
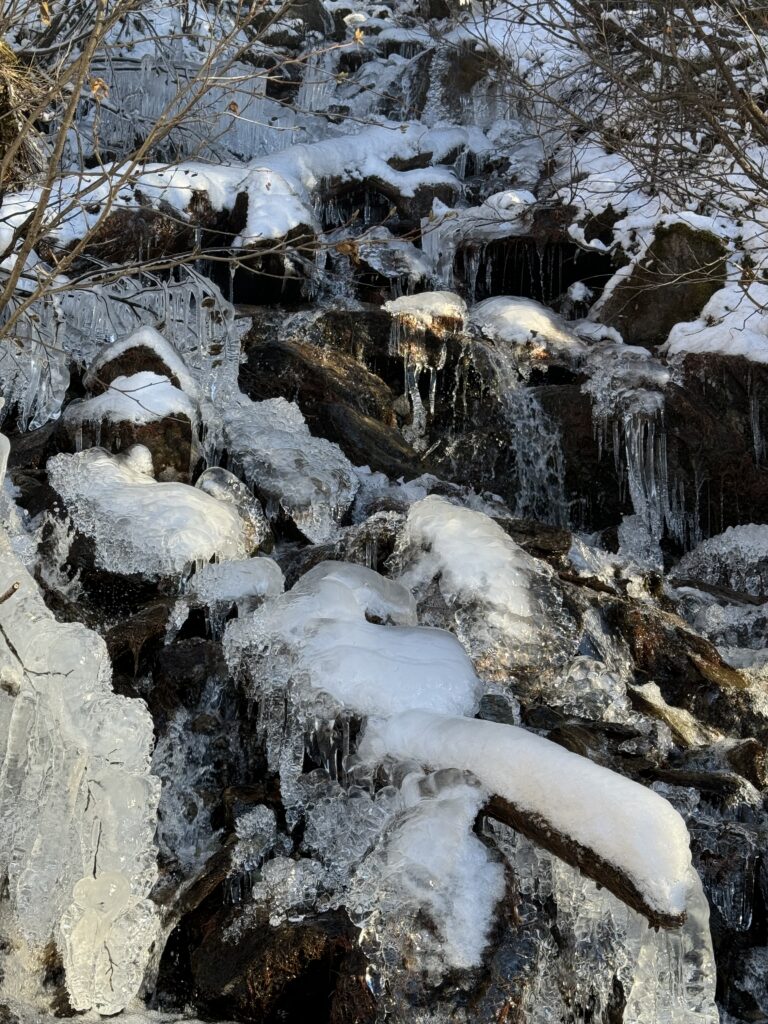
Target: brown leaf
(99,89)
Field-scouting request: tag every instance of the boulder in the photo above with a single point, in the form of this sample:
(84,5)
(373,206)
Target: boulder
(673,281)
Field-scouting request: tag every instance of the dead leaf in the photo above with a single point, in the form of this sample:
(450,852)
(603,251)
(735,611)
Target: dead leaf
(99,89)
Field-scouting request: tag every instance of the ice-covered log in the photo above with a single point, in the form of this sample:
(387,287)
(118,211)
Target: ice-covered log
(77,801)
(622,835)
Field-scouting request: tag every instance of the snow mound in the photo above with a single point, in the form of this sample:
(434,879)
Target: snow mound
(732,323)
(519,321)
(499,598)
(141,526)
(322,626)
(141,398)
(162,350)
(428,310)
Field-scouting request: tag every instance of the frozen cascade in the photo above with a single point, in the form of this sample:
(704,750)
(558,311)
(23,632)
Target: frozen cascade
(77,805)
(534,442)
(626,386)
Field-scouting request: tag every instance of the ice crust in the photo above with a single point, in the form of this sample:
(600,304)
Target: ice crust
(141,526)
(737,558)
(308,478)
(499,598)
(321,631)
(77,802)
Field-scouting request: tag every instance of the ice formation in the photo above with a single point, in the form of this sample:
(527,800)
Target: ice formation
(78,804)
(141,398)
(308,478)
(737,559)
(499,599)
(624,824)
(321,632)
(141,526)
(220,587)
(431,864)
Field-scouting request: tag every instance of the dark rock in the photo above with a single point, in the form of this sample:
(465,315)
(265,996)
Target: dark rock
(711,440)
(263,974)
(688,670)
(133,642)
(673,282)
(172,441)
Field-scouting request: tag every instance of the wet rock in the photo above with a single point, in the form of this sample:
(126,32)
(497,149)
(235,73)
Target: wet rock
(715,454)
(688,670)
(172,441)
(673,281)
(341,399)
(134,642)
(241,968)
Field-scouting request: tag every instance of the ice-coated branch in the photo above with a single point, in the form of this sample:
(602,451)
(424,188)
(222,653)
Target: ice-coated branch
(619,833)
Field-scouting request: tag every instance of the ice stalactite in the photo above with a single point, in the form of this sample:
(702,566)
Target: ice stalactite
(604,958)
(626,386)
(77,803)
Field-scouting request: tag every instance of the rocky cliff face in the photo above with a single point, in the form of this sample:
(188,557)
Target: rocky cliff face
(424,514)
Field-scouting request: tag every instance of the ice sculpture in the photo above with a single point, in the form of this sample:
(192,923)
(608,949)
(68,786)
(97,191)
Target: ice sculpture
(77,801)
(139,525)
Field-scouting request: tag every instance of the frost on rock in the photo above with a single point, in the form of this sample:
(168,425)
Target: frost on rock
(141,526)
(308,478)
(737,558)
(626,828)
(500,601)
(77,801)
